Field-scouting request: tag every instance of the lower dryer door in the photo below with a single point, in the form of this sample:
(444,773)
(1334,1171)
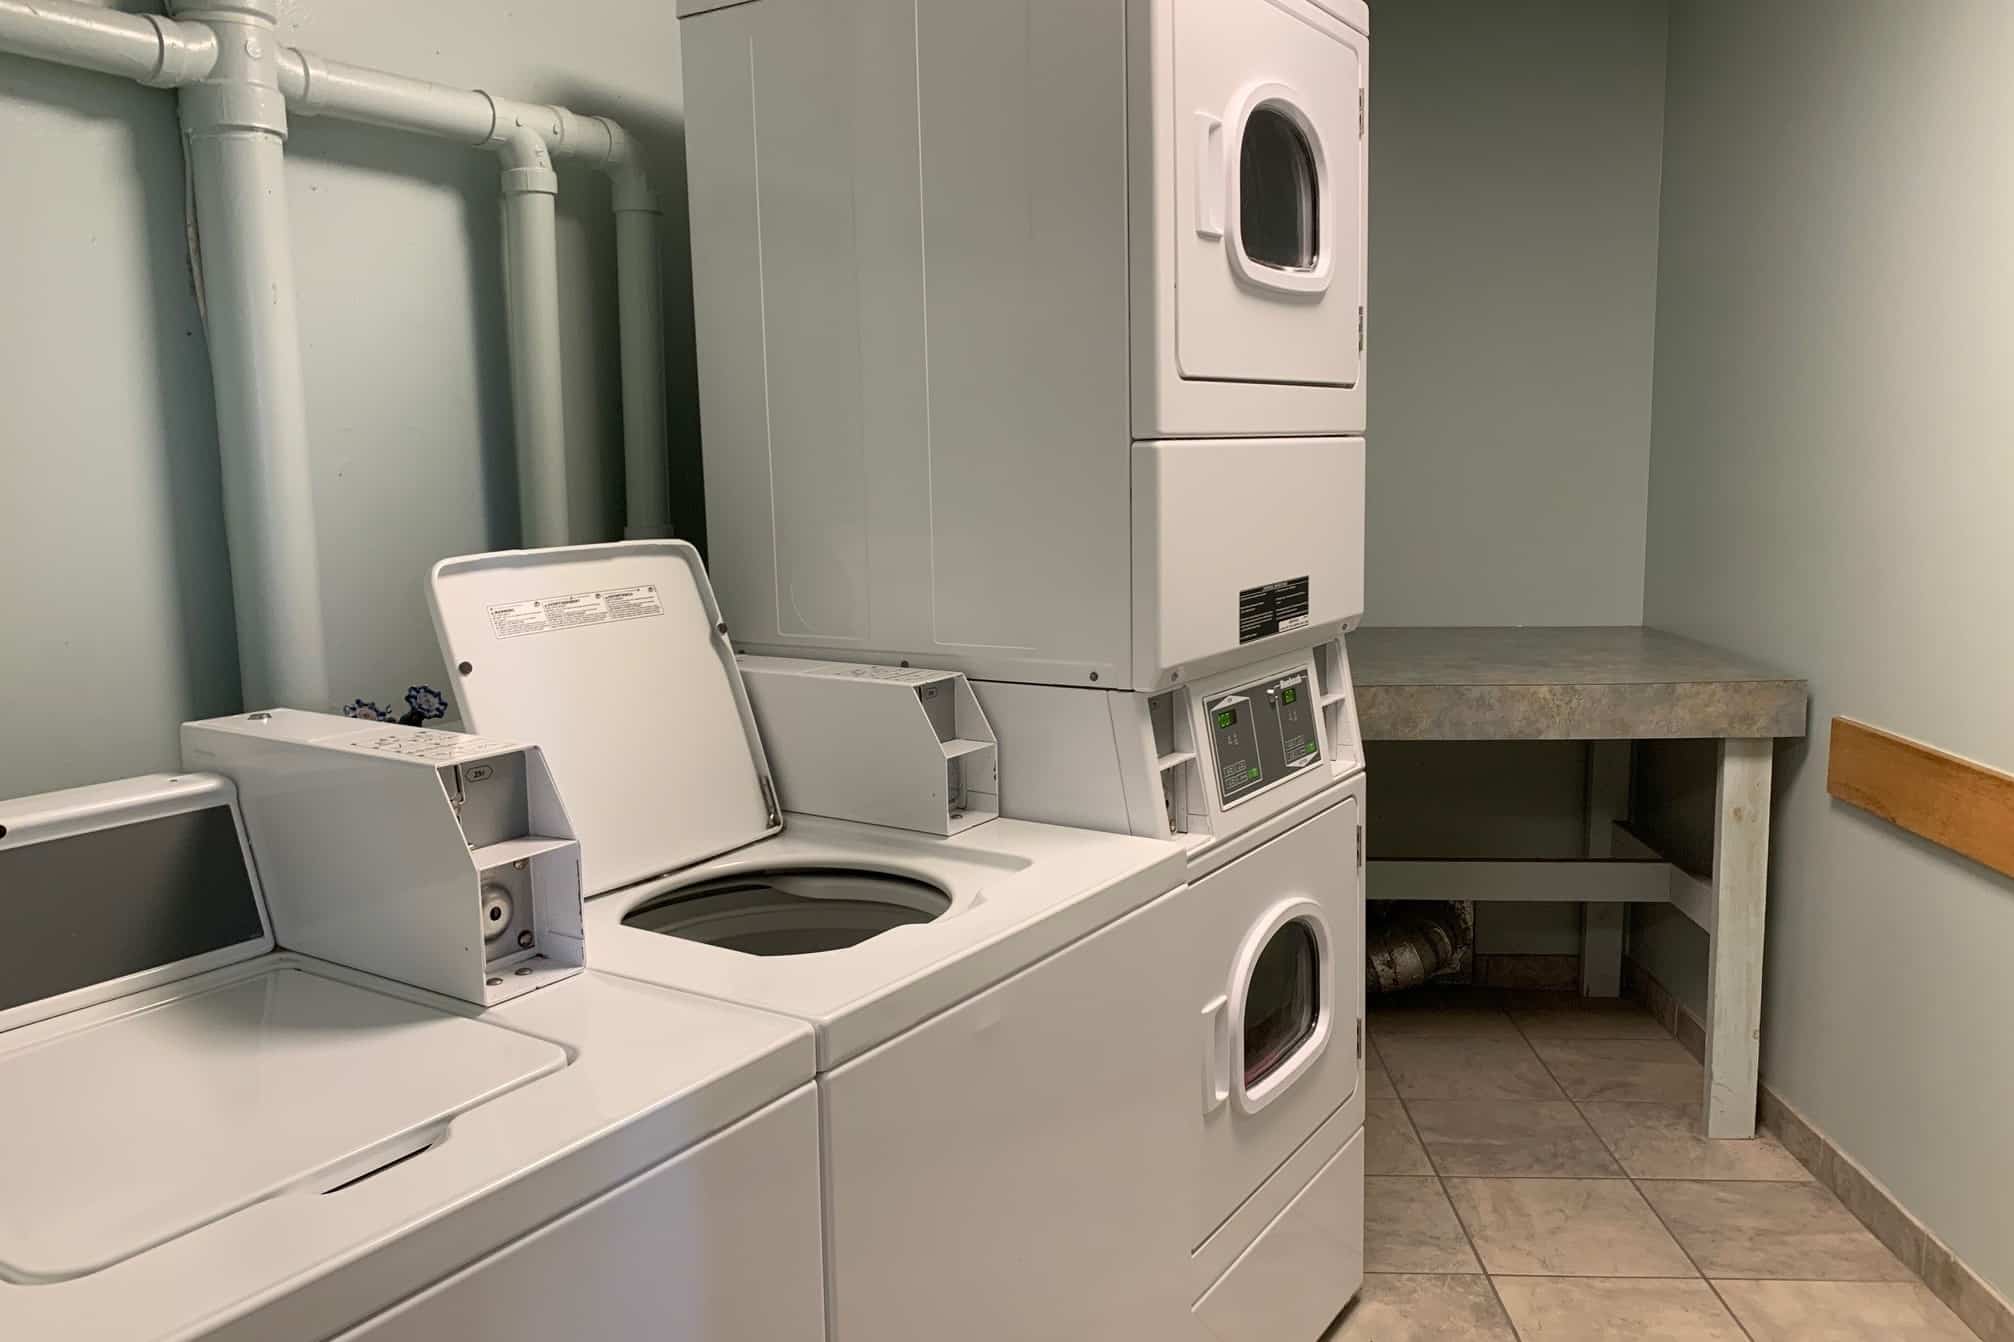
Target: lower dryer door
(1278,955)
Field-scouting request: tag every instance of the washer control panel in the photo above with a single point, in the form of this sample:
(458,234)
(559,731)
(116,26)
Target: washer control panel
(1263,733)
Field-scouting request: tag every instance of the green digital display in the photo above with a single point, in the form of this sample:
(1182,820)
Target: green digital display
(1227,717)
(1291,693)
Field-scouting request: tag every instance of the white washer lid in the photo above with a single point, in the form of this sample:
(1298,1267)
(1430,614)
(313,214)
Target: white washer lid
(132,1131)
(613,660)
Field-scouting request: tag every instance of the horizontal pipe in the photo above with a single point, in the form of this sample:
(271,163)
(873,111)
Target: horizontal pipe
(318,87)
(150,48)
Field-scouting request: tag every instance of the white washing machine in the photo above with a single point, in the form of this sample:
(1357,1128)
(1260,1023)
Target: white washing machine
(212,1138)
(976,271)
(1062,1093)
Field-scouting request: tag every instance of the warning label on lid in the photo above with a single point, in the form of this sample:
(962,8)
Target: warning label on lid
(1276,608)
(513,619)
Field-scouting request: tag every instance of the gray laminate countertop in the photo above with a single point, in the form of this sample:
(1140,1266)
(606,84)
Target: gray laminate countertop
(1540,683)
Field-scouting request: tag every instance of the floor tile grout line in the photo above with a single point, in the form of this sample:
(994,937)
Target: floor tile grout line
(1441,1182)
(1642,1197)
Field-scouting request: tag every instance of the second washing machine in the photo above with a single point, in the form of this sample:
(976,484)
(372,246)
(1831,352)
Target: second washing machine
(1062,1093)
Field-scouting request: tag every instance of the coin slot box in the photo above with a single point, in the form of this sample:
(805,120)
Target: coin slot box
(439,859)
(884,745)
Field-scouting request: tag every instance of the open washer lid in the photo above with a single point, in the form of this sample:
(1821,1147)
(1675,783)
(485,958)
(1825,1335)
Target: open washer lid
(613,659)
(145,1126)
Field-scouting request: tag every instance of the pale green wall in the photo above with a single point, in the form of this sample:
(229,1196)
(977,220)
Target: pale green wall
(117,606)
(1514,189)
(1832,491)
(1514,181)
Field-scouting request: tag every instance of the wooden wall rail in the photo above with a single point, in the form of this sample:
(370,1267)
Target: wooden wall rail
(1966,807)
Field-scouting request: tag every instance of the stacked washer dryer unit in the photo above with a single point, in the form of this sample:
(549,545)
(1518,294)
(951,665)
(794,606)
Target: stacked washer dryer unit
(1031,345)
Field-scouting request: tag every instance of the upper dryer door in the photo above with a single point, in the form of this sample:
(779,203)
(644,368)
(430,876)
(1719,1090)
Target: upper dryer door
(1270,177)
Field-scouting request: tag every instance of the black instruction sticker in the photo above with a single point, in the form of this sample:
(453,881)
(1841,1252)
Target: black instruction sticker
(1276,608)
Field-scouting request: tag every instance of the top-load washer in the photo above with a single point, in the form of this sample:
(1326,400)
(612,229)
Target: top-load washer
(1029,1130)
(998,302)
(210,1137)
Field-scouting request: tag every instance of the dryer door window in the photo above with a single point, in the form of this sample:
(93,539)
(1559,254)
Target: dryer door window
(1283,1003)
(1279,195)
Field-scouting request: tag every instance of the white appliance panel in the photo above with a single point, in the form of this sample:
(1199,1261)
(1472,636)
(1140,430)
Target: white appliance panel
(1319,1236)
(913,312)
(1067,1131)
(721,1243)
(1269,189)
(206,1105)
(1222,532)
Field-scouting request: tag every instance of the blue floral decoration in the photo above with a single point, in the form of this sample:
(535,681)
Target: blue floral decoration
(428,702)
(368,711)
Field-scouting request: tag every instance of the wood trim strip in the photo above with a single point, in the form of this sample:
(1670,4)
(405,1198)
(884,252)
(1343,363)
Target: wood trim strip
(1953,802)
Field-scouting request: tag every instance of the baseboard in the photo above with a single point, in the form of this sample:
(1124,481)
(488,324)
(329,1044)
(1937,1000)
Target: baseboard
(1557,973)
(1982,1309)
(1640,984)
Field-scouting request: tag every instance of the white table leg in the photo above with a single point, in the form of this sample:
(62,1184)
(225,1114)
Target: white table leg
(1740,895)
(1601,925)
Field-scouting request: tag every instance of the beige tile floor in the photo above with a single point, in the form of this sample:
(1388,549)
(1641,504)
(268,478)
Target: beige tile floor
(1534,1174)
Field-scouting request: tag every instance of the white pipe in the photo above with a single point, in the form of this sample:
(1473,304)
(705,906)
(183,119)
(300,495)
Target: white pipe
(235,121)
(316,86)
(531,296)
(151,48)
(640,309)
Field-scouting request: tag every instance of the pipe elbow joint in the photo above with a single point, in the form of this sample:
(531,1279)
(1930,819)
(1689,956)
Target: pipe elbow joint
(526,159)
(624,166)
(188,52)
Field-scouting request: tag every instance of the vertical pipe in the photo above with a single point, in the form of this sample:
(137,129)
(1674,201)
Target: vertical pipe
(531,291)
(639,267)
(235,121)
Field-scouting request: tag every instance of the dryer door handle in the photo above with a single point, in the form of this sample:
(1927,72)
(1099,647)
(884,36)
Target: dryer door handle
(1216,1054)
(1211,185)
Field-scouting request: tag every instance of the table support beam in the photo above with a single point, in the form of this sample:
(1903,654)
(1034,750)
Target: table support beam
(1740,896)
(1602,925)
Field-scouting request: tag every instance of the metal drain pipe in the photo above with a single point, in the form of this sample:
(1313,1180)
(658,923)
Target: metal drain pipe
(1408,949)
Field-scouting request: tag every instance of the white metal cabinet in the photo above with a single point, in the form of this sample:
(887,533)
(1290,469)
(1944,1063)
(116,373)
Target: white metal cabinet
(1094,1209)
(952,260)
(718,1244)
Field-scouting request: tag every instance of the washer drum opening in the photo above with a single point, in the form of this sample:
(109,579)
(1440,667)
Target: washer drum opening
(794,912)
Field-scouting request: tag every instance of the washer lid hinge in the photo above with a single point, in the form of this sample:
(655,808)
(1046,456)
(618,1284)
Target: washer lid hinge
(769,800)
